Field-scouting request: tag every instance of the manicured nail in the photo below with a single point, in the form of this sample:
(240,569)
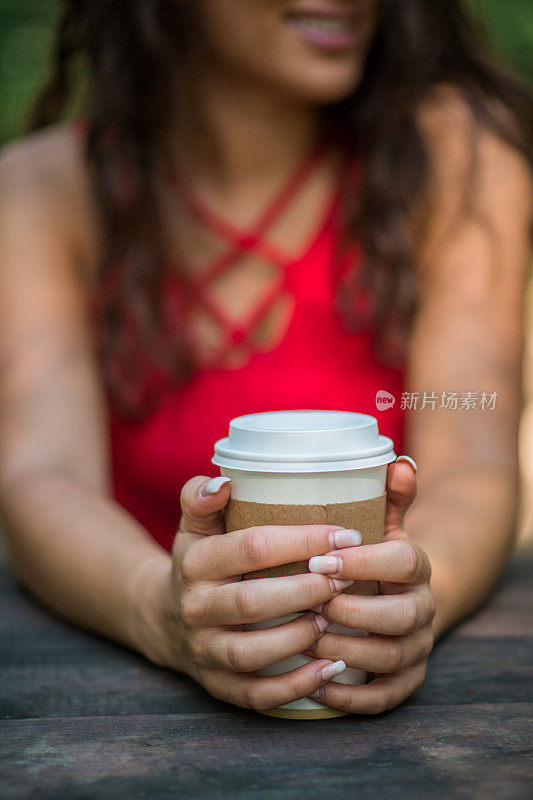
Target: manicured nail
(345,538)
(320,624)
(310,649)
(325,564)
(337,586)
(213,486)
(328,672)
(411,461)
(324,607)
(317,694)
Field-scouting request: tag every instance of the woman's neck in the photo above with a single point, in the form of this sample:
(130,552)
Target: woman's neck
(233,135)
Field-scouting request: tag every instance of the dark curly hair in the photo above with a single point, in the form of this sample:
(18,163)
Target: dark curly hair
(136,55)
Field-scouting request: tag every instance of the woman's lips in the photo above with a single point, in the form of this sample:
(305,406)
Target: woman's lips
(332,31)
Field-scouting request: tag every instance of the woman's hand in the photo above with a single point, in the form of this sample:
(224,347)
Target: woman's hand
(401,615)
(210,603)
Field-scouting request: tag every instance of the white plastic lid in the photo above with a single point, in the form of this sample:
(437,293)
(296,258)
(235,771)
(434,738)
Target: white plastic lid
(303,441)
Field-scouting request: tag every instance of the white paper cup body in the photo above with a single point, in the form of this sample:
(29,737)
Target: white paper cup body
(307,489)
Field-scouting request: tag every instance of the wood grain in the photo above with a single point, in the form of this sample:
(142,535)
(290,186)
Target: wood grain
(83,718)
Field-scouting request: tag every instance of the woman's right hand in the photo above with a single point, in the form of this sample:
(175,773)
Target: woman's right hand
(210,603)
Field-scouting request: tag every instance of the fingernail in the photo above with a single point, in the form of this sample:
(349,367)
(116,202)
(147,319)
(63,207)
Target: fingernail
(317,694)
(213,486)
(325,564)
(318,609)
(330,670)
(411,461)
(320,624)
(324,606)
(310,649)
(337,586)
(345,538)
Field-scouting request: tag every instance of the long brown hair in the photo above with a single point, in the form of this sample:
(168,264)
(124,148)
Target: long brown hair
(137,53)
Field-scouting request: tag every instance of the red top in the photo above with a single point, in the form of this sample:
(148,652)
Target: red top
(318,364)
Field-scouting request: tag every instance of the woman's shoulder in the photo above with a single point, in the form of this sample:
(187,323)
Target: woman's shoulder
(445,108)
(453,127)
(479,176)
(45,173)
(472,154)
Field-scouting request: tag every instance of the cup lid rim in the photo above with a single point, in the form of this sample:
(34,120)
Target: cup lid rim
(279,441)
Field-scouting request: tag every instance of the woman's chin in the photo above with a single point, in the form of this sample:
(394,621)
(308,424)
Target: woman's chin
(323,95)
(320,86)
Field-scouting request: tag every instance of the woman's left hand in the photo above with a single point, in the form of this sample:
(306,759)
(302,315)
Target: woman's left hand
(401,615)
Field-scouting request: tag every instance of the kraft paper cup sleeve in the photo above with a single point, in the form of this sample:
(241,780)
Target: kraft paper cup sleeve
(366,516)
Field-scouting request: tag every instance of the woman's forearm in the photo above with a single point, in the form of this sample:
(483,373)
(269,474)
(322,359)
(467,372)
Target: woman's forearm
(86,558)
(90,561)
(466,522)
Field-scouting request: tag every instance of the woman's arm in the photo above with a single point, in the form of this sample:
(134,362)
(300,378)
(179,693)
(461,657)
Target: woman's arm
(468,337)
(69,542)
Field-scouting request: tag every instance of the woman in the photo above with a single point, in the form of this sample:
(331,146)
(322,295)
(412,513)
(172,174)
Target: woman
(266,204)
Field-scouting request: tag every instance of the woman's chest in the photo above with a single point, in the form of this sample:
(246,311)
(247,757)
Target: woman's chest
(233,276)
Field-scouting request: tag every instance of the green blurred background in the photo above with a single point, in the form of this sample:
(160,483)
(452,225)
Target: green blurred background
(26,28)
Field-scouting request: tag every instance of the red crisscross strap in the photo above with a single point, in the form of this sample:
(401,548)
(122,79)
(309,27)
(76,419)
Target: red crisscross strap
(240,243)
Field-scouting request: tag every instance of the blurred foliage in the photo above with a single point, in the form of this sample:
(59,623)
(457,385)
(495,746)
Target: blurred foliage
(26,33)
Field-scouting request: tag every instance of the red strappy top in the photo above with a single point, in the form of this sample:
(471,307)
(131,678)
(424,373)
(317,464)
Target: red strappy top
(318,364)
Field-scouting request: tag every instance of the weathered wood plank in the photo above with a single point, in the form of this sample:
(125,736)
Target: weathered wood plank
(120,683)
(51,669)
(509,611)
(107,724)
(454,752)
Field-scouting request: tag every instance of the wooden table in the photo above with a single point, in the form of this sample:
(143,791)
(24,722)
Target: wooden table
(83,718)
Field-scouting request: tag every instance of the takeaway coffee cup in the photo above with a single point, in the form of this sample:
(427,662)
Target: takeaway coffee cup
(304,468)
